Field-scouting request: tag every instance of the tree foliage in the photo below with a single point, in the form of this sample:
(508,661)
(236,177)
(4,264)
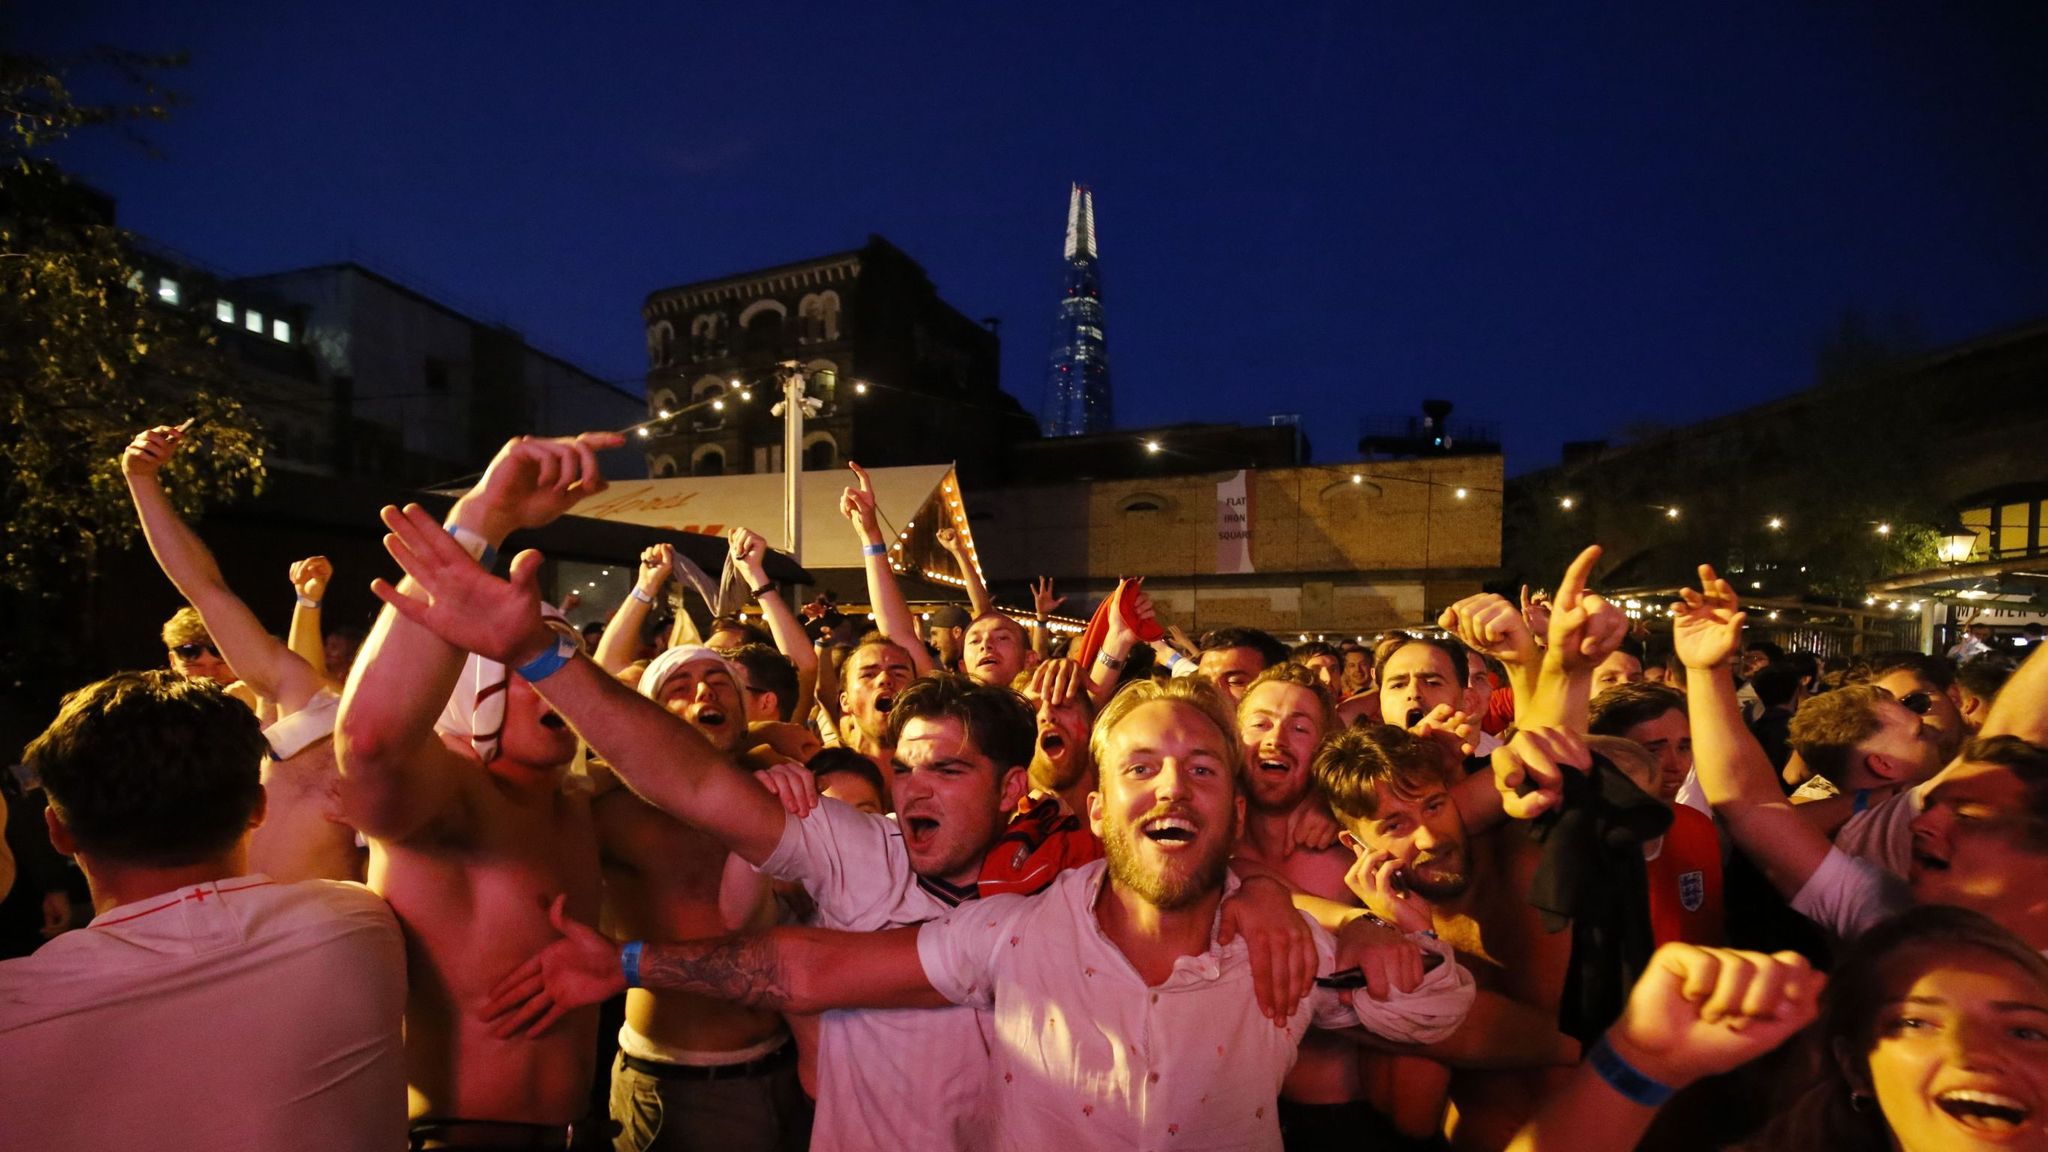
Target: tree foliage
(88,356)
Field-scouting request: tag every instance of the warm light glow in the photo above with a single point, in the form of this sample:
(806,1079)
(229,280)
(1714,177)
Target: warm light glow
(665,413)
(1771,615)
(860,387)
(1884,529)
(1565,503)
(746,394)
(734,382)
(1461,493)
(1775,524)
(1671,513)
(1914,606)
(1358,478)
(718,405)
(1870,601)
(1152,446)
(644,433)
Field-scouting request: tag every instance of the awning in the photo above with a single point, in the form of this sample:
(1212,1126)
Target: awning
(714,505)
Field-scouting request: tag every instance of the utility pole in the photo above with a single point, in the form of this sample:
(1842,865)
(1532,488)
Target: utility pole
(793,408)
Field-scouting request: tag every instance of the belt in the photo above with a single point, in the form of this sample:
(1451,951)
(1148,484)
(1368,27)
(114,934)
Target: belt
(429,1134)
(701,1073)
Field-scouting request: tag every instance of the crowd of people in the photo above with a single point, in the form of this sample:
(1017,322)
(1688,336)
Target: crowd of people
(494,881)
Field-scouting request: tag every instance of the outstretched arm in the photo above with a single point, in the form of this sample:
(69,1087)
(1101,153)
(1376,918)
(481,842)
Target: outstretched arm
(396,772)
(1733,770)
(1117,643)
(970,573)
(750,553)
(451,599)
(801,970)
(1492,626)
(892,615)
(1043,605)
(258,658)
(1584,628)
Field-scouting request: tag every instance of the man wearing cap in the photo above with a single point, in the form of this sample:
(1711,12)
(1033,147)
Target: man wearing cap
(693,1072)
(471,831)
(947,629)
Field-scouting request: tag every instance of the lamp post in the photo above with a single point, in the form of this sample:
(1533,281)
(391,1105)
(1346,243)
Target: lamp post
(794,406)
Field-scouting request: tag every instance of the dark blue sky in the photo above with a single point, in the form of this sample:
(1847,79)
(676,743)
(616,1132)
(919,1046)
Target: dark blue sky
(1566,224)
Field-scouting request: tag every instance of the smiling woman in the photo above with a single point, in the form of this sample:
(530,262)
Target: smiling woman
(1933,1035)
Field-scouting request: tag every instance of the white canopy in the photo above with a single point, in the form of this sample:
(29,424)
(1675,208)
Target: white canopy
(714,505)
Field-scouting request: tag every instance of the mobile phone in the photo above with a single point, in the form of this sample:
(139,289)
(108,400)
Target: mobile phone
(1351,978)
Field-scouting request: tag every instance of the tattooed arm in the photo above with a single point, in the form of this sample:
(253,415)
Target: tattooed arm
(786,969)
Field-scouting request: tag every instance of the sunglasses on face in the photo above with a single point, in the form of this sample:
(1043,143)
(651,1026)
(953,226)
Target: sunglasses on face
(194,651)
(1918,703)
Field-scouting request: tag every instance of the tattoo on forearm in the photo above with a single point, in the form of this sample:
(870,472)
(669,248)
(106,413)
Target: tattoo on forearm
(742,969)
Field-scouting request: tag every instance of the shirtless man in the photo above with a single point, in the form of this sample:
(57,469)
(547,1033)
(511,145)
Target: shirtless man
(693,1072)
(471,830)
(296,703)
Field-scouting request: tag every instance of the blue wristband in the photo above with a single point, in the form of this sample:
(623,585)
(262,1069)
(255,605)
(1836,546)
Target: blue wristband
(1623,1077)
(473,543)
(629,962)
(549,662)
(874,550)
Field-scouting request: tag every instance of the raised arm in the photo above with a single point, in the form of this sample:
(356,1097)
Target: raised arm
(970,573)
(1117,643)
(1733,771)
(458,605)
(397,774)
(892,615)
(1584,628)
(310,578)
(1695,1012)
(1043,605)
(621,639)
(750,554)
(803,970)
(1490,625)
(258,658)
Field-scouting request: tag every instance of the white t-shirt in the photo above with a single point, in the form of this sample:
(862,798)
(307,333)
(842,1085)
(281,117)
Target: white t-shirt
(887,1078)
(1848,896)
(1088,1056)
(238,1013)
(1883,832)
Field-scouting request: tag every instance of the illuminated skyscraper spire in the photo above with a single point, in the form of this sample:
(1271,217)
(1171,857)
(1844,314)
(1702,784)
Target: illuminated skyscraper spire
(1077,398)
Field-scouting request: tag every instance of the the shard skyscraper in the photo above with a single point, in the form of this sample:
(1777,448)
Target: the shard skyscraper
(1077,398)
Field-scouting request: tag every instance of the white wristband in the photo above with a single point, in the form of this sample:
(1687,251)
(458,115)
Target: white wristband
(307,601)
(642,597)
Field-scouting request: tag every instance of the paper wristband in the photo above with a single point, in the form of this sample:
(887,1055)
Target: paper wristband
(642,597)
(549,662)
(479,549)
(874,550)
(1623,1077)
(308,602)
(629,962)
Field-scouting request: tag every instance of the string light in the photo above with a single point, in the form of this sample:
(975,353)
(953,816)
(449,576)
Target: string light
(1461,494)
(1884,529)
(1152,446)
(1565,503)
(1776,524)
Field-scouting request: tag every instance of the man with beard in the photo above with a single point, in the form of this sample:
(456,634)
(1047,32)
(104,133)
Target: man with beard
(996,650)
(1396,796)
(471,831)
(1125,948)
(693,1072)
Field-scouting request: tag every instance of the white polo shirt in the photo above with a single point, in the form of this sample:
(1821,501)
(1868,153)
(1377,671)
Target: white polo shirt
(1088,1056)
(887,1078)
(238,1013)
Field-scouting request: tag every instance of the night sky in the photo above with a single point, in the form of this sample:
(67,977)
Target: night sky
(1569,226)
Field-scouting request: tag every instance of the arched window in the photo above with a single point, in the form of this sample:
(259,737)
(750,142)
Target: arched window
(661,339)
(707,388)
(708,460)
(761,326)
(821,452)
(824,380)
(707,335)
(661,400)
(1143,502)
(663,467)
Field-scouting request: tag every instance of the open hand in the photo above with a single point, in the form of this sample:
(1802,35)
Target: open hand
(453,597)
(1043,602)
(1706,626)
(532,480)
(577,970)
(792,785)
(1059,681)
(1283,948)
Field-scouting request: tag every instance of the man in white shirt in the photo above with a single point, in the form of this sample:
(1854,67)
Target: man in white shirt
(1119,1021)
(205,1007)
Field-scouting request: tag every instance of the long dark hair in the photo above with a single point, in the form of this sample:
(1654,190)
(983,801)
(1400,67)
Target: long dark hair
(1828,1114)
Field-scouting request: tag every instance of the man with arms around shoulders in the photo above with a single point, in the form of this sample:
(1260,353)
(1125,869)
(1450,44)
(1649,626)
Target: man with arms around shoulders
(471,830)
(205,1007)
(1129,945)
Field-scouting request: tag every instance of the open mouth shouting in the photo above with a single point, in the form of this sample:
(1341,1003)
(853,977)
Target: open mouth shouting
(884,702)
(1275,767)
(1172,830)
(1052,743)
(1987,1112)
(920,829)
(709,716)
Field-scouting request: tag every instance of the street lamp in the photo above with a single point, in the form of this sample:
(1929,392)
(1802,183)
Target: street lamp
(793,407)
(1956,545)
